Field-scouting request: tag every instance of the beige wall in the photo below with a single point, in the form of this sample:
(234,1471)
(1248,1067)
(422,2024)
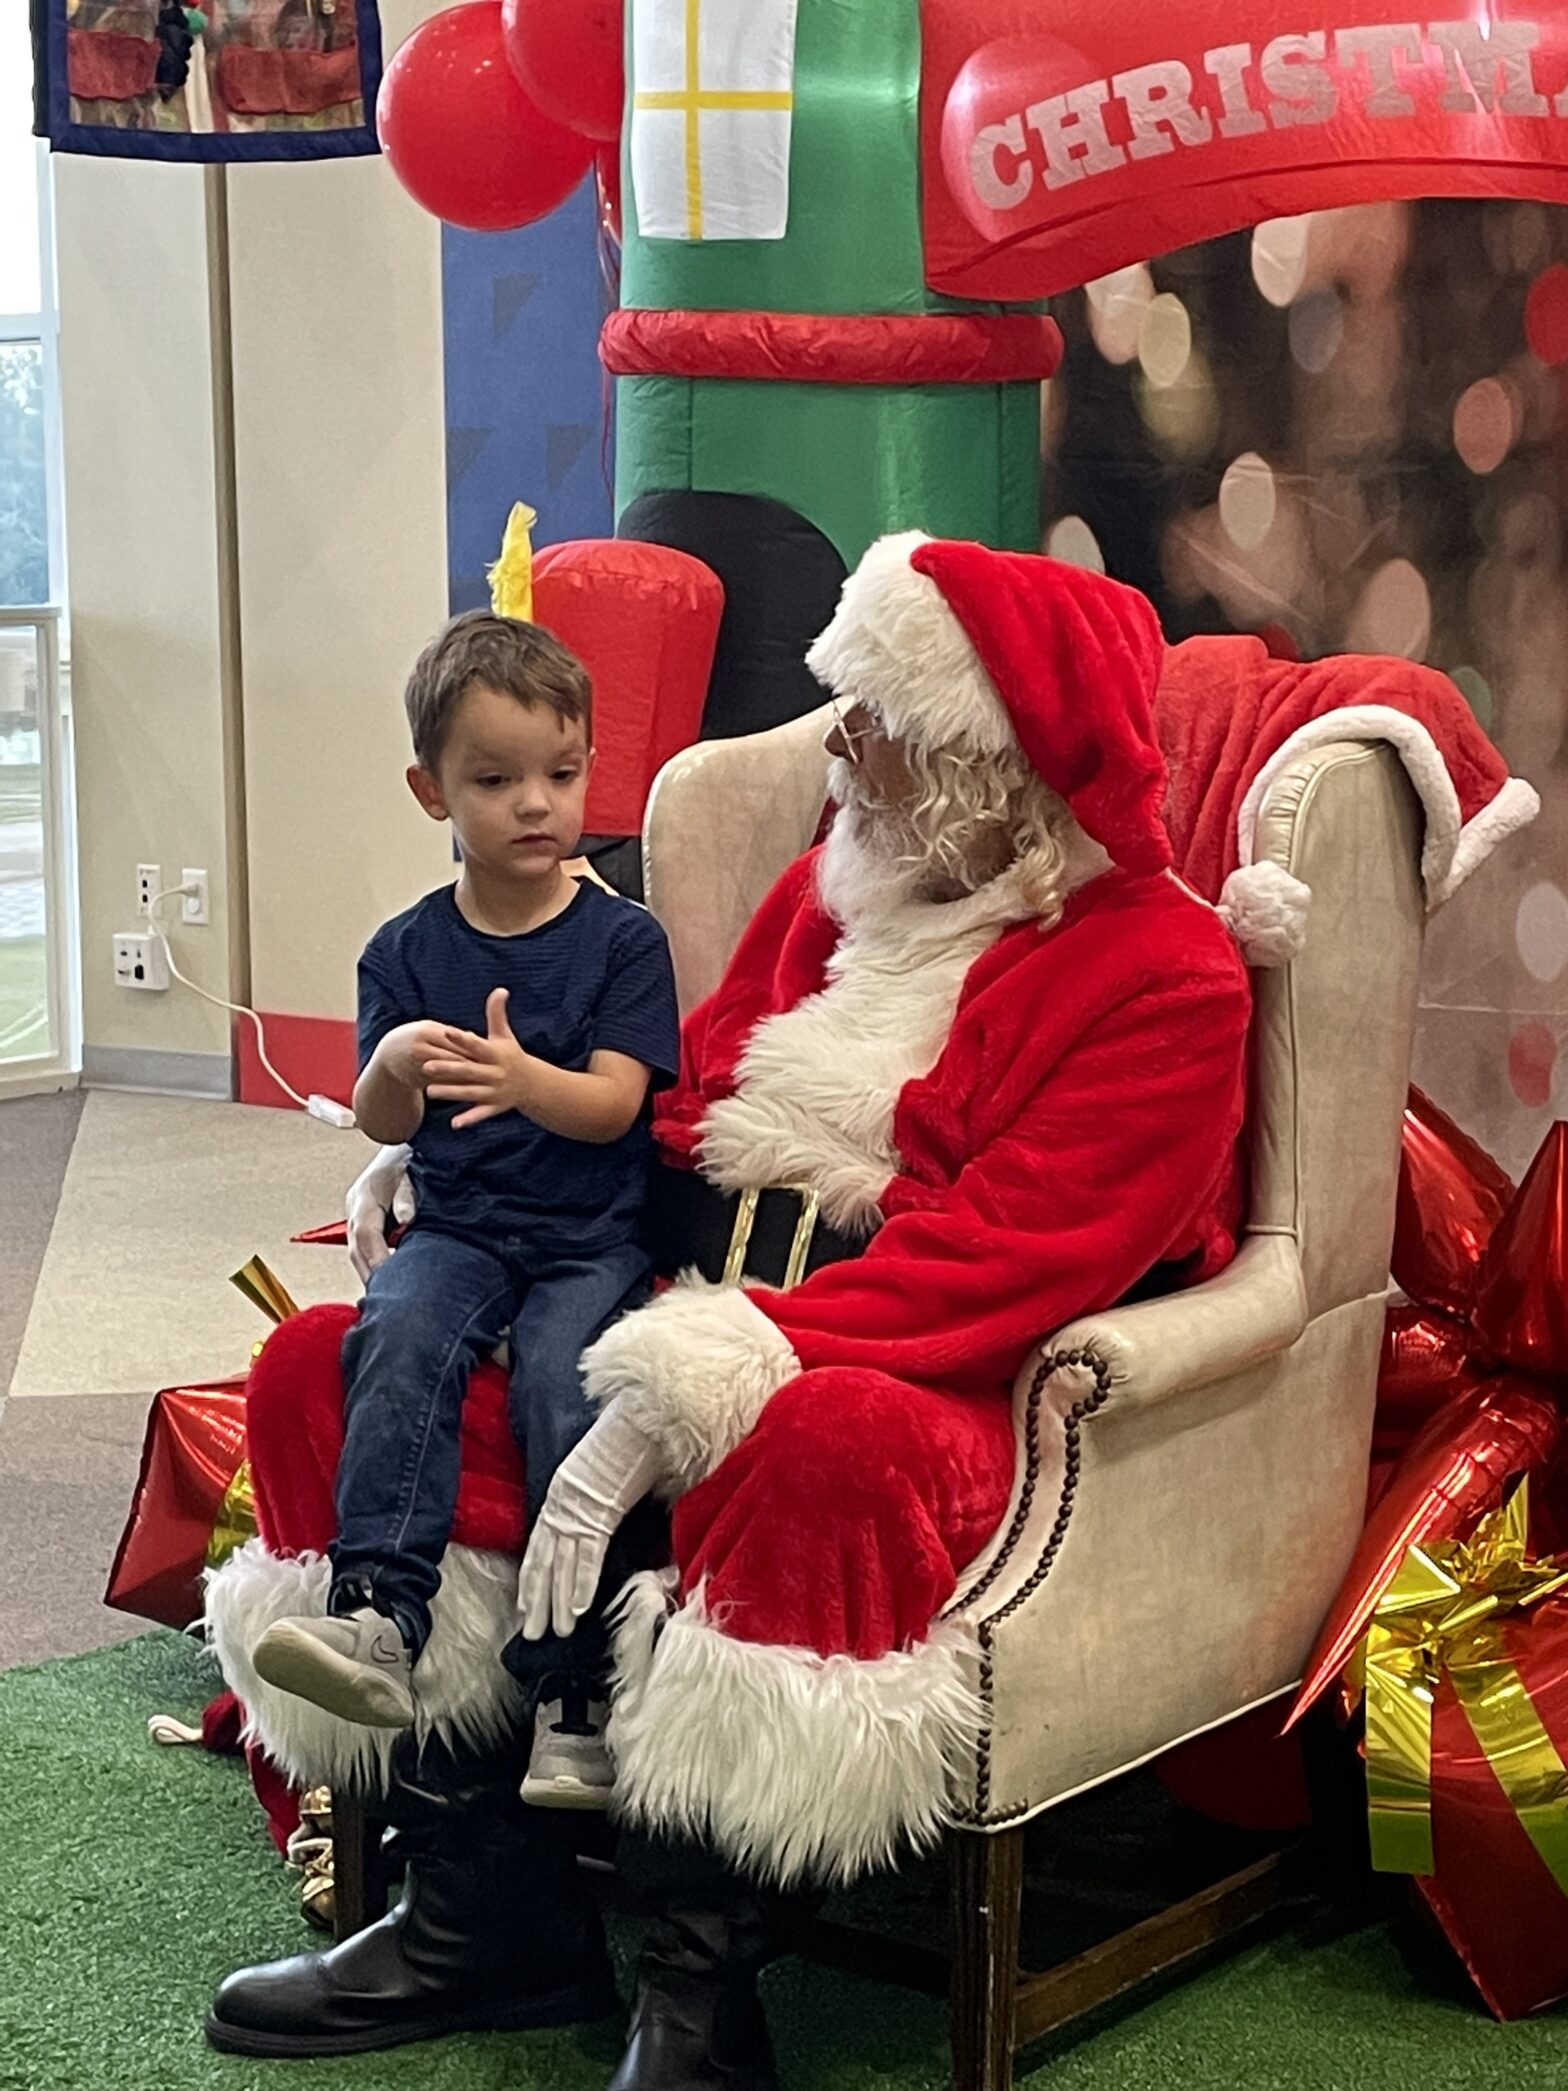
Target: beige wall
(338,434)
(136,379)
(340,465)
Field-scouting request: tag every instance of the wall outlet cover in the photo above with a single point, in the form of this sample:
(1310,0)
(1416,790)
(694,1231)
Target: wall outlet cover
(195,908)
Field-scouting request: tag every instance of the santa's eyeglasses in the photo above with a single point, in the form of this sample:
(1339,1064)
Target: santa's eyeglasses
(849,735)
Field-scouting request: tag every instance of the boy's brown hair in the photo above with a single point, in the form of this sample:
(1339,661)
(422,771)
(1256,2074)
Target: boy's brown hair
(496,653)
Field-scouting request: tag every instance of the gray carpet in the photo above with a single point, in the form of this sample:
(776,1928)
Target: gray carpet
(67,1467)
(36,1137)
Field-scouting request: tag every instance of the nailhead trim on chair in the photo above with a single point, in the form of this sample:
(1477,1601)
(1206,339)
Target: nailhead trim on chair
(1072,1424)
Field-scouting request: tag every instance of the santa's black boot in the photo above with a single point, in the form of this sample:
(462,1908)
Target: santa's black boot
(494,1928)
(697,2022)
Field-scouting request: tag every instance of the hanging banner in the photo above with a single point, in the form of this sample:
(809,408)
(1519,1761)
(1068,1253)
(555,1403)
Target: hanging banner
(223,80)
(1053,153)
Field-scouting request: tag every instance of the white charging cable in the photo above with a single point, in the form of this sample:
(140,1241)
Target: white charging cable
(324,1108)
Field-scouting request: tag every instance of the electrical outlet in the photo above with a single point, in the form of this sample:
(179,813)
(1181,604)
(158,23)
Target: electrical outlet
(149,884)
(139,961)
(194,910)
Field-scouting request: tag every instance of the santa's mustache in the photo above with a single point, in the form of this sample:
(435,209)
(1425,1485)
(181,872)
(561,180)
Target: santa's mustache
(844,785)
(886,840)
(888,830)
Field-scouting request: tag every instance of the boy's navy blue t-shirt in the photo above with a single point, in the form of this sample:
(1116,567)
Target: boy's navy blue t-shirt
(597,976)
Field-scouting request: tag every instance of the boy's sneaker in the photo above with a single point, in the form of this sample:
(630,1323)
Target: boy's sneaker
(356,1667)
(570,1764)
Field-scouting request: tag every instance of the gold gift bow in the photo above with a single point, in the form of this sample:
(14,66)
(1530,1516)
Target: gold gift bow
(236,1518)
(264,1289)
(1444,1611)
(236,1521)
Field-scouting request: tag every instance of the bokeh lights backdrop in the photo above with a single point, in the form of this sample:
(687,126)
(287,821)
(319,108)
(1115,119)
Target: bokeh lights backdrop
(1349,432)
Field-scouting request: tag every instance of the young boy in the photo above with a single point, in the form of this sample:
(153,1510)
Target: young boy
(510,1028)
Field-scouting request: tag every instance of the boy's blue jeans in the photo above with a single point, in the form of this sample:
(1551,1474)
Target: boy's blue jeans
(437,1307)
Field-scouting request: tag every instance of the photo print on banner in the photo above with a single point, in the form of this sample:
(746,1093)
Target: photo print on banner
(216,81)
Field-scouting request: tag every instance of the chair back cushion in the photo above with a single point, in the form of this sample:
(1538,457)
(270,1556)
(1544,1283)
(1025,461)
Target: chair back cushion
(724,819)
(1332,1032)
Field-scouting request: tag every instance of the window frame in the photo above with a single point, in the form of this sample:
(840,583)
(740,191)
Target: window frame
(43,326)
(57,1068)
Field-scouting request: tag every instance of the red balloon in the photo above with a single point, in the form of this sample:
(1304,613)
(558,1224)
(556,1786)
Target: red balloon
(1521,1310)
(569,60)
(463,138)
(1426,1361)
(1451,1195)
(1454,1472)
(607,173)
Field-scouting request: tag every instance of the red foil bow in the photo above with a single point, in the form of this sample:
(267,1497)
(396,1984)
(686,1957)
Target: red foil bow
(1475,1366)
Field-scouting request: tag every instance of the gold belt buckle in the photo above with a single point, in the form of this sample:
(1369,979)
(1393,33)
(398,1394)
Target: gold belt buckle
(799,1248)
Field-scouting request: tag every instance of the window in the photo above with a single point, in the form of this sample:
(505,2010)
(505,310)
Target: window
(37,998)
(30,535)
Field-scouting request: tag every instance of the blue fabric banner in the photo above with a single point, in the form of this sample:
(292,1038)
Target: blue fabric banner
(527,403)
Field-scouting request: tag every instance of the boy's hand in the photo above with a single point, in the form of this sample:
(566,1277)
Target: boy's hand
(490,1074)
(406,1052)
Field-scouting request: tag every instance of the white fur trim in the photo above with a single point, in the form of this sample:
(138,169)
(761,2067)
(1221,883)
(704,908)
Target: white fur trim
(1450,853)
(895,644)
(1514,807)
(796,1766)
(1266,911)
(461,1691)
(694,1369)
(1415,748)
(818,1085)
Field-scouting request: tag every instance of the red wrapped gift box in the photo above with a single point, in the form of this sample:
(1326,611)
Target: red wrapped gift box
(191,1483)
(1494,1890)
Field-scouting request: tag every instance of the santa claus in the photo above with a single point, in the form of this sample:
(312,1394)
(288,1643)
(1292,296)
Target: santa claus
(975,1070)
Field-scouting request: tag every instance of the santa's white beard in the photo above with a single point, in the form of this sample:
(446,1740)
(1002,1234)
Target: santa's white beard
(878,857)
(872,861)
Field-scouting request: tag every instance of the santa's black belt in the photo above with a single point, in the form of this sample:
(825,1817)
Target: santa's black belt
(774,1236)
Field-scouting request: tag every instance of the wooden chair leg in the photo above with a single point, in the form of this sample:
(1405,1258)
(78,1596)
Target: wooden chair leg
(359,1883)
(987,1891)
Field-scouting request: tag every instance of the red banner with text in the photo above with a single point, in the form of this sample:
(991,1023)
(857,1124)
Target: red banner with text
(1052,153)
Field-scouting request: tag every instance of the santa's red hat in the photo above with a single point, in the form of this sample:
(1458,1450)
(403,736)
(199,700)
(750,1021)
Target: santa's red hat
(957,646)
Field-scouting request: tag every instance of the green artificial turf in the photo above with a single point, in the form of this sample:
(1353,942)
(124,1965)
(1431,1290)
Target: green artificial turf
(133,1878)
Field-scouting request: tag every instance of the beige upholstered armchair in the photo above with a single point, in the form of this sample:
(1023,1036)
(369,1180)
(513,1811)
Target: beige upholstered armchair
(1191,1471)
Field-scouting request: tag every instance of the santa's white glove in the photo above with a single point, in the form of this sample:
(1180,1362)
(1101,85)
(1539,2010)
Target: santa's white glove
(375,1199)
(594,1487)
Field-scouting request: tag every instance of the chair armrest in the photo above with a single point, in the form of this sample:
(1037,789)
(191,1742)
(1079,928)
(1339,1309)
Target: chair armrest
(1254,1309)
(1131,1357)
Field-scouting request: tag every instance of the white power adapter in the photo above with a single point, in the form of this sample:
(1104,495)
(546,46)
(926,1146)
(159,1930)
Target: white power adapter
(330,1112)
(140,960)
